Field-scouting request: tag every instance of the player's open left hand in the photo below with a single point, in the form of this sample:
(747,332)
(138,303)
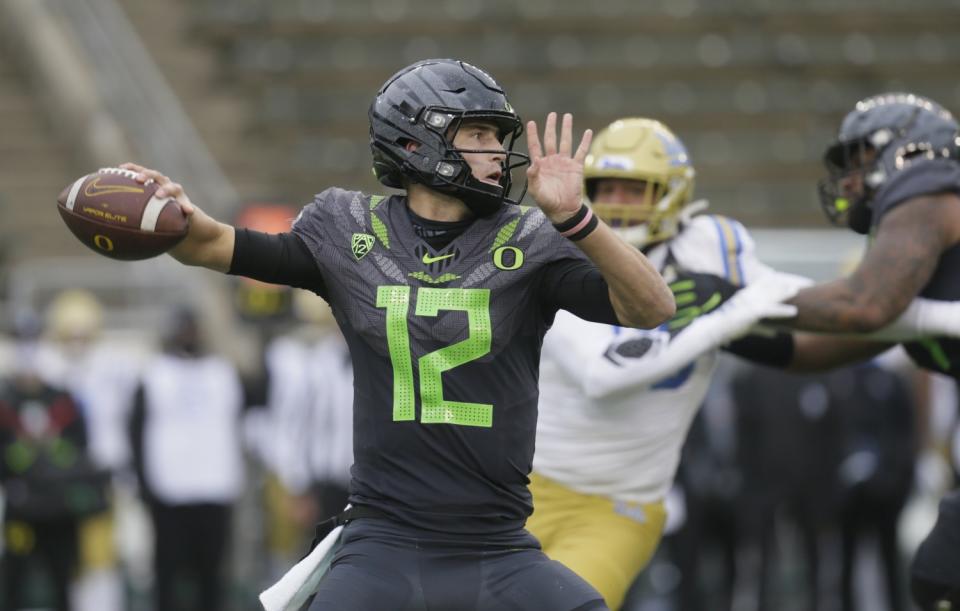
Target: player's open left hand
(555,175)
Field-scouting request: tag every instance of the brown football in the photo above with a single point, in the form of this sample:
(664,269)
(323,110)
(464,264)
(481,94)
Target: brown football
(118,217)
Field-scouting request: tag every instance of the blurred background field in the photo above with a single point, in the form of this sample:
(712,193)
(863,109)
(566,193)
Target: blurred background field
(256,104)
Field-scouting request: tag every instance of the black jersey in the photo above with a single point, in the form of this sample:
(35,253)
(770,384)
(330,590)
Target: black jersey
(446,348)
(929,177)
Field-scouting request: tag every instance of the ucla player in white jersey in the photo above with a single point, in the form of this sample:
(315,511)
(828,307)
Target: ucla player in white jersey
(616,403)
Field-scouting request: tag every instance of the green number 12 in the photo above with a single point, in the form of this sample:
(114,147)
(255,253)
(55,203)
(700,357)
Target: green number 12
(476,303)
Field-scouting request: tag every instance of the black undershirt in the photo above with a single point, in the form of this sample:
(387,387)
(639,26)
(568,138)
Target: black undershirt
(437,233)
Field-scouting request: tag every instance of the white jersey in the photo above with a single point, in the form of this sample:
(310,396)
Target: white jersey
(599,433)
(102,378)
(191,440)
(311,408)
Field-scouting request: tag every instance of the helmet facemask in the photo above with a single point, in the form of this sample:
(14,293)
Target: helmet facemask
(452,173)
(854,164)
(648,223)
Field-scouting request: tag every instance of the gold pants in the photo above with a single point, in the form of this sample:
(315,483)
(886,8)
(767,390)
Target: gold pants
(606,542)
(97,548)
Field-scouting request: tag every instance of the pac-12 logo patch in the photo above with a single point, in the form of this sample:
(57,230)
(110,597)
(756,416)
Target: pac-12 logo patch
(361,244)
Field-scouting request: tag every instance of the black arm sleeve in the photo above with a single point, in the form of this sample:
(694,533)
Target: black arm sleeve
(280,258)
(578,287)
(774,351)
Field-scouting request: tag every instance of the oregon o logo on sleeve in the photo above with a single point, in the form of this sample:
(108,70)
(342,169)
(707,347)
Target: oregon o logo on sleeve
(103,242)
(508,258)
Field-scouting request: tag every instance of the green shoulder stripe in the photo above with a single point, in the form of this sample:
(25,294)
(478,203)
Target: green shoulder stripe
(380,230)
(506,232)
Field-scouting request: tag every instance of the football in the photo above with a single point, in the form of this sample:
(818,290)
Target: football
(120,218)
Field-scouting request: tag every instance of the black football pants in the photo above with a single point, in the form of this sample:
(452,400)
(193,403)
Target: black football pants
(383,566)
(54,544)
(190,548)
(935,571)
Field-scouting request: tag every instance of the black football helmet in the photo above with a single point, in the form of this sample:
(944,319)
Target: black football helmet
(426,103)
(882,135)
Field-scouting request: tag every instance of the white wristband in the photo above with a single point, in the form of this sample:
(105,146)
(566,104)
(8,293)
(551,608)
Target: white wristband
(922,318)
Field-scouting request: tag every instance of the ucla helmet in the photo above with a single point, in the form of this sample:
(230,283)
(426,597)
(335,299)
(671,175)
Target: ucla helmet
(642,150)
(883,135)
(425,103)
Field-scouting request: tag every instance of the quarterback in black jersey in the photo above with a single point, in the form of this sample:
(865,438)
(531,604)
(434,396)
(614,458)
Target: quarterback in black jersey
(444,294)
(894,174)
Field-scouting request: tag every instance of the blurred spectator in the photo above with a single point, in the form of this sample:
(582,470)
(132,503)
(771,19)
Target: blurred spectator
(704,548)
(49,482)
(835,453)
(312,414)
(186,449)
(876,475)
(790,447)
(101,377)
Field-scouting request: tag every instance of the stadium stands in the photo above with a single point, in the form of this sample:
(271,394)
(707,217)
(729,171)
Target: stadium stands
(278,90)
(755,87)
(34,165)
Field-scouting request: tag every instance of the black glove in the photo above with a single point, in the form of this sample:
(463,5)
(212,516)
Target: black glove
(695,295)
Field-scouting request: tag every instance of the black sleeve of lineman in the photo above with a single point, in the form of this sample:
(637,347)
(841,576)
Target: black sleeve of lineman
(578,287)
(280,258)
(773,350)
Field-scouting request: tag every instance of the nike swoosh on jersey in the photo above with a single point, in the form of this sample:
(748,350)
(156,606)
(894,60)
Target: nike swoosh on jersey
(427,259)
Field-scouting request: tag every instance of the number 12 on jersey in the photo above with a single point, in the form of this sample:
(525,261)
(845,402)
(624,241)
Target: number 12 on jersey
(434,409)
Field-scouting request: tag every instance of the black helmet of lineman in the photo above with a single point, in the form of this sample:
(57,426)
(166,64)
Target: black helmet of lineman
(881,136)
(426,103)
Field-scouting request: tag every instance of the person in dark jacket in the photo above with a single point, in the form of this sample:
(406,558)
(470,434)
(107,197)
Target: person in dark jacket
(48,481)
